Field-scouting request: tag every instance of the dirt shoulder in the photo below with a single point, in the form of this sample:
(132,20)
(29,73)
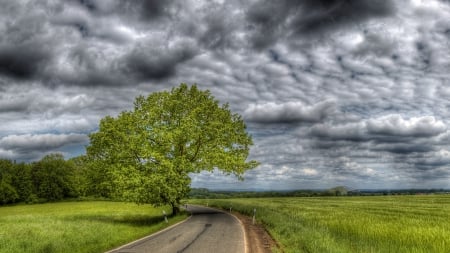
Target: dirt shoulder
(258,239)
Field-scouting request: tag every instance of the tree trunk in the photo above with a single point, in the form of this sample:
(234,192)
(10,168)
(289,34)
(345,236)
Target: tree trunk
(175,208)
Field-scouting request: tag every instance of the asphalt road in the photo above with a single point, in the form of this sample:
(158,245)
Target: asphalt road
(208,230)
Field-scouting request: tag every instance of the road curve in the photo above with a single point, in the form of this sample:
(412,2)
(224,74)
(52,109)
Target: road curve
(208,230)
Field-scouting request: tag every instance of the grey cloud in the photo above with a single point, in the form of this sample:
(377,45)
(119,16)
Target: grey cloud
(74,17)
(296,19)
(436,159)
(266,19)
(84,68)
(344,166)
(376,44)
(150,9)
(219,32)
(350,132)
(89,25)
(323,15)
(98,6)
(396,125)
(13,104)
(22,144)
(402,148)
(25,47)
(145,9)
(149,63)
(24,61)
(390,128)
(35,102)
(143,63)
(288,112)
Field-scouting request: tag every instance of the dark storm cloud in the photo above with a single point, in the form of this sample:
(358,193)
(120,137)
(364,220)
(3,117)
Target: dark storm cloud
(65,45)
(152,9)
(145,9)
(24,48)
(24,61)
(296,19)
(325,14)
(149,63)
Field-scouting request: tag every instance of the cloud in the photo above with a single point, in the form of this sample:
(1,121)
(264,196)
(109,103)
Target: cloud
(25,47)
(288,112)
(153,63)
(346,167)
(325,15)
(35,102)
(76,18)
(24,61)
(395,125)
(147,10)
(310,172)
(34,146)
(45,141)
(271,21)
(389,128)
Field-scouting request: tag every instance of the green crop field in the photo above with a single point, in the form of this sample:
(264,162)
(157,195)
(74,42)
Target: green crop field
(396,224)
(77,226)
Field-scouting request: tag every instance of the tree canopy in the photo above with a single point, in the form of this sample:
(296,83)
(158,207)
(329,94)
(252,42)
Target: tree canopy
(149,152)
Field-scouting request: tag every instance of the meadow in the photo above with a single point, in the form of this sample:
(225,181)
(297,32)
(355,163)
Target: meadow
(90,226)
(400,224)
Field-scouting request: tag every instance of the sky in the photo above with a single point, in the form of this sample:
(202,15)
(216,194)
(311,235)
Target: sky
(337,92)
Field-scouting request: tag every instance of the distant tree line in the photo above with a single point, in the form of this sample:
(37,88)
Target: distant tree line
(53,178)
(50,179)
(202,193)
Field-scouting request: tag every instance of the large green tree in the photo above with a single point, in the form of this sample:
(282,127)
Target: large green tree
(149,152)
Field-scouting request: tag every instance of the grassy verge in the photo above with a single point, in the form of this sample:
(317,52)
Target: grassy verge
(352,224)
(94,226)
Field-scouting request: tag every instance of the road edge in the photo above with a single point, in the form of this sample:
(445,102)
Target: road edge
(150,236)
(243,230)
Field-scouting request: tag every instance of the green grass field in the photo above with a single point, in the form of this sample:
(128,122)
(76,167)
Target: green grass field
(396,224)
(77,226)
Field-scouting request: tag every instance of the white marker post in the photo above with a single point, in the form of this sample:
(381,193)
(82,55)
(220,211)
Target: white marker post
(254,215)
(165,216)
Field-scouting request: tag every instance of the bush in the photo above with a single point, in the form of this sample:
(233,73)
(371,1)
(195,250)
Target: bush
(7,193)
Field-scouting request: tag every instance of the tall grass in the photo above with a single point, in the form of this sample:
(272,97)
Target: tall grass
(77,226)
(408,224)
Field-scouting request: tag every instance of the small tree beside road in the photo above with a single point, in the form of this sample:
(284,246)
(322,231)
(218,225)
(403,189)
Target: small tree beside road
(149,152)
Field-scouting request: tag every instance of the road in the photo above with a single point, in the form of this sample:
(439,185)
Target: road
(208,230)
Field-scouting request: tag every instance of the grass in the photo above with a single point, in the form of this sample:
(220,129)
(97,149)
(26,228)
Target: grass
(94,226)
(400,224)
